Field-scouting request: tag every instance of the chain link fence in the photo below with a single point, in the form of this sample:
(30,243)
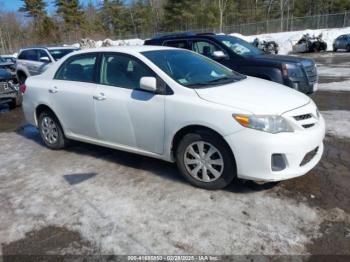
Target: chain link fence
(291,24)
(323,21)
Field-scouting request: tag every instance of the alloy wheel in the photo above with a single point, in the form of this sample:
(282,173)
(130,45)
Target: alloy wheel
(203,161)
(49,130)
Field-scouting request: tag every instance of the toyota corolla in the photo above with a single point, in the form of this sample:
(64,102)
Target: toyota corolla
(179,106)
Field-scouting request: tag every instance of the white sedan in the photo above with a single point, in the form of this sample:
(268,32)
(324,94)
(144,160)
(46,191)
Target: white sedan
(178,106)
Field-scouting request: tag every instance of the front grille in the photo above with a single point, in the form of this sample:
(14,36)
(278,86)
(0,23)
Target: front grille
(311,73)
(302,117)
(309,156)
(3,86)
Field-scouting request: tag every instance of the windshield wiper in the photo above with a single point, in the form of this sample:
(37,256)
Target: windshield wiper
(221,79)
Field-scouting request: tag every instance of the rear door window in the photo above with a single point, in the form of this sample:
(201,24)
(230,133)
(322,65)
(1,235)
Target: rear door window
(79,68)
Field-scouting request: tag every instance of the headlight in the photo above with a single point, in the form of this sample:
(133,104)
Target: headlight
(292,70)
(271,124)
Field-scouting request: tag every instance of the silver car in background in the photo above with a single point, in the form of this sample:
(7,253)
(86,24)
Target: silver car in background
(33,61)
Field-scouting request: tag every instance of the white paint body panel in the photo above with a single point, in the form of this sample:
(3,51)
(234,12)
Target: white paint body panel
(146,123)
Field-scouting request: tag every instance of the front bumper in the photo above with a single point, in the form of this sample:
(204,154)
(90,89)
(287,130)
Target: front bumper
(253,152)
(8,96)
(303,86)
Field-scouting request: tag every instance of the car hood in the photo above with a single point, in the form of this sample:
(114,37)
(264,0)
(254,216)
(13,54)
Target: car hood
(5,75)
(6,64)
(256,96)
(285,59)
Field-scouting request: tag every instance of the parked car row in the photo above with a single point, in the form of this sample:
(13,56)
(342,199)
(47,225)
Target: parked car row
(9,89)
(180,106)
(342,42)
(308,43)
(295,72)
(29,62)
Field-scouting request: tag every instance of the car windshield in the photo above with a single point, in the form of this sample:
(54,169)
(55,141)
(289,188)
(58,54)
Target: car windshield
(59,53)
(2,60)
(190,69)
(239,46)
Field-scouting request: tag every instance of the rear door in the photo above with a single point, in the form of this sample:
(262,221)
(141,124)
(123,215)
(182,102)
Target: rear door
(125,114)
(72,92)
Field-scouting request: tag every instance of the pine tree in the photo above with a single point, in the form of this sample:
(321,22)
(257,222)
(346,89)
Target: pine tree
(178,15)
(34,9)
(72,14)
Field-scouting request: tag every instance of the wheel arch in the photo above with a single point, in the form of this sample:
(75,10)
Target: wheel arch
(43,107)
(195,129)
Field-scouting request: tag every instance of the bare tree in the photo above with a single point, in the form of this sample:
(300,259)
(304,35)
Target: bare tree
(156,6)
(222,8)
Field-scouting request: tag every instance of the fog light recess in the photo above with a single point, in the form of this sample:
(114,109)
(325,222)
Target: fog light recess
(278,162)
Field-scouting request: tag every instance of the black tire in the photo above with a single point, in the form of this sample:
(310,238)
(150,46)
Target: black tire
(348,48)
(61,140)
(229,166)
(335,49)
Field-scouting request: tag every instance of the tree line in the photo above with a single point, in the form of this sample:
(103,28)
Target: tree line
(72,20)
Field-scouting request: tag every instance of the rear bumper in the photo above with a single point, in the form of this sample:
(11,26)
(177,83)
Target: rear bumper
(253,152)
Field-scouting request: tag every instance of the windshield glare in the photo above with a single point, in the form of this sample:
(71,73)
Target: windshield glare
(190,69)
(59,53)
(239,46)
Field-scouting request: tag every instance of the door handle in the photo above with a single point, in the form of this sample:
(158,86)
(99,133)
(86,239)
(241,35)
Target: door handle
(53,90)
(100,97)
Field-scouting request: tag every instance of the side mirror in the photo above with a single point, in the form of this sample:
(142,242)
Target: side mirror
(219,55)
(44,59)
(148,84)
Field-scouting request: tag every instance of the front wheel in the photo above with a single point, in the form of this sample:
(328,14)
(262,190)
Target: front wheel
(51,131)
(205,160)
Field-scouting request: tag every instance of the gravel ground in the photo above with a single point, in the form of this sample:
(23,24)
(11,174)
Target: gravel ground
(92,200)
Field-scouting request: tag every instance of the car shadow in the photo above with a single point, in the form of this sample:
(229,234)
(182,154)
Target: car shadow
(155,166)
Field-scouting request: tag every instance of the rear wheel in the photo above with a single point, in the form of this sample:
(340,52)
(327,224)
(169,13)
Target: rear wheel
(348,48)
(205,160)
(51,131)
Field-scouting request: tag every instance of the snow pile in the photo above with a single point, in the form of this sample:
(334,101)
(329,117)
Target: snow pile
(337,123)
(89,43)
(286,40)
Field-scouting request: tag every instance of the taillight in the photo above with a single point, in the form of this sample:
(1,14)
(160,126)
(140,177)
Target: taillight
(23,88)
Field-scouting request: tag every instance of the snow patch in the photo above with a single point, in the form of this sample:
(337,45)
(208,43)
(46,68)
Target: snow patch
(335,86)
(337,123)
(286,40)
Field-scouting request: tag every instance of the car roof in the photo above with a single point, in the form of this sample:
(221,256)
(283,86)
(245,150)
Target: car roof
(48,47)
(126,49)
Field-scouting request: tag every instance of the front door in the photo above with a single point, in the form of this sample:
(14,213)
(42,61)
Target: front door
(125,114)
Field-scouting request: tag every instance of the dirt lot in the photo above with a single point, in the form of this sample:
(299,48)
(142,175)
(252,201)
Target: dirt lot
(92,200)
